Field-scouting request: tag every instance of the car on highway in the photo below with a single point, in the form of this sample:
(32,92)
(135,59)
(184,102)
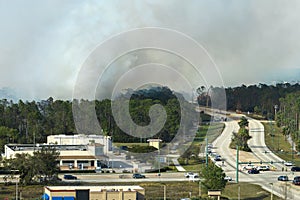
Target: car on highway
(295,169)
(296,180)
(249,167)
(253,171)
(218,158)
(283,178)
(227,178)
(70,177)
(288,163)
(191,174)
(263,168)
(137,175)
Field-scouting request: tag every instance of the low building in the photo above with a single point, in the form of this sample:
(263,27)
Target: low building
(154,142)
(70,157)
(94,193)
(76,151)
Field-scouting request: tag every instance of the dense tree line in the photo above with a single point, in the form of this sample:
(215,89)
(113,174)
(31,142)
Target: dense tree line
(259,99)
(287,116)
(32,122)
(282,99)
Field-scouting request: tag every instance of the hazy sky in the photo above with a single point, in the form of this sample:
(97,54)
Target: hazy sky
(44,43)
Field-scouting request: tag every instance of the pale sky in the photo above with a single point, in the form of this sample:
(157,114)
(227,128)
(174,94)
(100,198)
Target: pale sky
(44,43)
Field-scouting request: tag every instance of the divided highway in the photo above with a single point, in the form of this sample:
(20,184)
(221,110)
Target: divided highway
(267,179)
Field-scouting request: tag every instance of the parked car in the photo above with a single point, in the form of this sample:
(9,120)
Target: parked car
(253,171)
(70,177)
(191,174)
(296,180)
(263,168)
(136,175)
(283,178)
(227,178)
(295,169)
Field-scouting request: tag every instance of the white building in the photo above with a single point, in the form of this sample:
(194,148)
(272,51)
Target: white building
(70,157)
(76,151)
(75,139)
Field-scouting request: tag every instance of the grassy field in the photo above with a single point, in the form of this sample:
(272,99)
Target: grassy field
(155,191)
(277,142)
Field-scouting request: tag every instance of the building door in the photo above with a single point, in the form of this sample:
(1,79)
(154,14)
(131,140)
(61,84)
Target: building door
(83,194)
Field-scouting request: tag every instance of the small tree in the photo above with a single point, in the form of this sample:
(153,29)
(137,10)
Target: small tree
(243,122)
(213,177)
(42,163)
(46,162)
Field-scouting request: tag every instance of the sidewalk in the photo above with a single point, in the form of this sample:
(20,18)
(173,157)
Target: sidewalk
(177,165)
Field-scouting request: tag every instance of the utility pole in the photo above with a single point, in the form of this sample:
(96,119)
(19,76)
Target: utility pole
(200,188)
(239,192)
(17,189)
(272,191)
(237,164)
(206,149)
(165,192)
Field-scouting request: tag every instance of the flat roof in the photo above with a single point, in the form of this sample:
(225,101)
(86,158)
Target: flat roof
(28,147)
(77,157)
(94,188)
(154,140)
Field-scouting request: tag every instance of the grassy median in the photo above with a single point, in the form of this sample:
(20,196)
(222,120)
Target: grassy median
(278,143)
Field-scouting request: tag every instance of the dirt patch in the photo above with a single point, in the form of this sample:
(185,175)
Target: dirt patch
(244,156)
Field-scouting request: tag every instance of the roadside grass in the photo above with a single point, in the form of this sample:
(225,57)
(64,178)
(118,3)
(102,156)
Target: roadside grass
(155,190)
(131,144)
(278,144)
(197,148)
(213,130)
(247,191)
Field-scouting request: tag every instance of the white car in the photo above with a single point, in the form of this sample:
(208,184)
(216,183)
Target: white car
(249,167)
(263,168)
(288,163)
(227,178)
(191,174)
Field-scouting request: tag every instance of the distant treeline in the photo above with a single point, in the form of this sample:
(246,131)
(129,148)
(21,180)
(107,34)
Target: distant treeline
(32,122)
(259,99)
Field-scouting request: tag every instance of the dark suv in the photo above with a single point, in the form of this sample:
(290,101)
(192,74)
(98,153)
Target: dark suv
(253,171)
(70,177)
(283,178)
(138,176)
(296,180)
(295,169)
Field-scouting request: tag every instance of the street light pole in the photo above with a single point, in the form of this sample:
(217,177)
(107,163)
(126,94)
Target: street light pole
(272,191)
(239,192)
(237,164)
(206,149)
(17,189)
(275,117)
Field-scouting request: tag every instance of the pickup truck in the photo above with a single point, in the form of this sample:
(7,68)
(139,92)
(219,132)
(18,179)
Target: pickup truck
(191,174)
